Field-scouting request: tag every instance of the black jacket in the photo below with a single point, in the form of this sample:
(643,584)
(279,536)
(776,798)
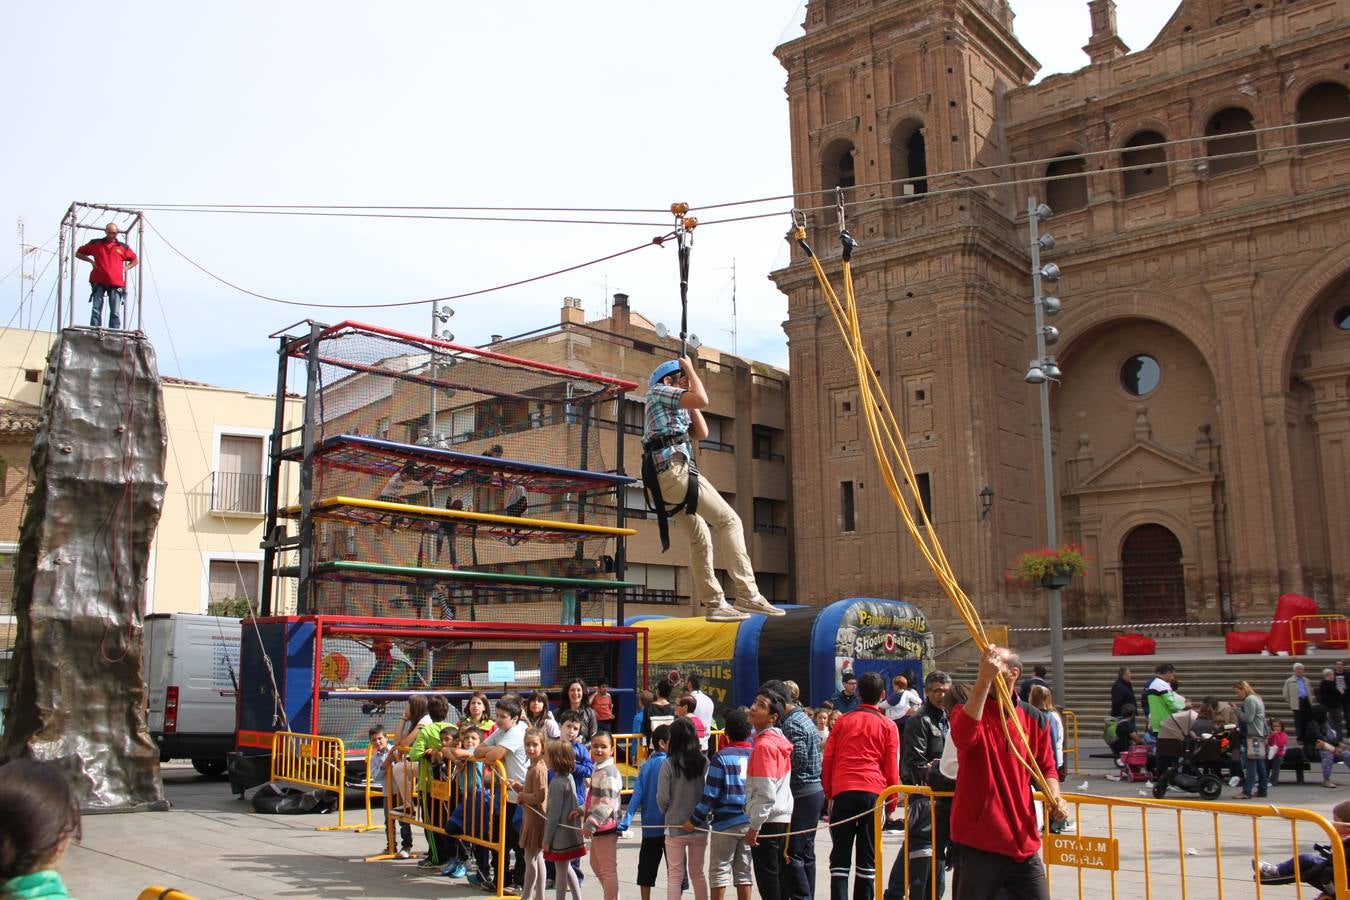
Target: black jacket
(924,738)
(1122,692)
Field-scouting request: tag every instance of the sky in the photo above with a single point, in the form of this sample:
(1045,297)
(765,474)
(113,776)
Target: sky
(594,105)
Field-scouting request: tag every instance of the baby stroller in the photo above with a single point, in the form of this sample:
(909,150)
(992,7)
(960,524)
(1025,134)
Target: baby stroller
(1133,763)
(1193,770)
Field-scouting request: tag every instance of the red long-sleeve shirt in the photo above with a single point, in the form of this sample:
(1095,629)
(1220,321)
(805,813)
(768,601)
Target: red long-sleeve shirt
(992,810)
(862,754)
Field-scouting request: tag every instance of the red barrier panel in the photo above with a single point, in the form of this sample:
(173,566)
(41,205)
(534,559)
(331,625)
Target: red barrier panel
(1133,645)
(1288,606)
(1245,641)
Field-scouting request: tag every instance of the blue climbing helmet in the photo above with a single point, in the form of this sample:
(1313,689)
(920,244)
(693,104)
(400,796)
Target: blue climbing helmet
(669,367)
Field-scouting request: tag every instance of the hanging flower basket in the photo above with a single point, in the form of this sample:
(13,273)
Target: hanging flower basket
(1050,569)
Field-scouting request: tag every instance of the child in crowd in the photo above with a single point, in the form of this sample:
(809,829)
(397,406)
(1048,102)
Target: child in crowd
(464,792)
(401,773)
(531,794)
(562,839)
(679,788)
(425,752)
(572,724)
(644,801)
(601,824)
(822,719)
(380,761)
(724,803)
(1276,743)
(41,818)
(684,709)
(602,704)
(1309,864)
(476,712)
(644,699)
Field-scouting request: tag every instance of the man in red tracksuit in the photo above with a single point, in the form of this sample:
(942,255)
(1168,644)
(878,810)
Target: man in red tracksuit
(862,759)
(111,260)
(994,831)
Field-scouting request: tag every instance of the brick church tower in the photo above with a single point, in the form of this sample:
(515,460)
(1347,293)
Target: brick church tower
(879,92)
(1201,188)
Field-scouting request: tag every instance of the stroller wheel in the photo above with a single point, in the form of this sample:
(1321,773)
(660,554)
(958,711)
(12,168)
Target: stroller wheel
(1210,788)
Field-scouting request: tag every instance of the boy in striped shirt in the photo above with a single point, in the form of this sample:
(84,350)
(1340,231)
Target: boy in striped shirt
(724,803)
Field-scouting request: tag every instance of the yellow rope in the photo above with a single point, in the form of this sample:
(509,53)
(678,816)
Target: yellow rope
(888,446)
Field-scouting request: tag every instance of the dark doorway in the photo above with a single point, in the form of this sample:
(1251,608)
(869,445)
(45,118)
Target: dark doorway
(1153,580)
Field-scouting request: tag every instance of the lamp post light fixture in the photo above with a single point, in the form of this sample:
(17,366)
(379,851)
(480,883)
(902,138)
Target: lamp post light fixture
(986,502)
(1043,370)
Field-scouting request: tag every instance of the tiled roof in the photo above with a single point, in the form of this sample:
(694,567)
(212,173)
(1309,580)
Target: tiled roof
(19,418)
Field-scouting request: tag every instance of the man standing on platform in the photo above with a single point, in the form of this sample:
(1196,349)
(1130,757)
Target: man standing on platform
(111,260)
(995,834)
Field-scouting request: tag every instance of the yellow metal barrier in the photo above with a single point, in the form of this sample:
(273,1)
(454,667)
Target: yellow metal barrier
(313,761)
(630,752)
(372,792)
(468,804)
(1070,739)
(1165,866)
(156,892)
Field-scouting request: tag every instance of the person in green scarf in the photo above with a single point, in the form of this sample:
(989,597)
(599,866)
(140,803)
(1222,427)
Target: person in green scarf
(41,818)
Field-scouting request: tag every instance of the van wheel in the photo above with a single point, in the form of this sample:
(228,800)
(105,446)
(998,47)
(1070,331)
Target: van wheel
(211,767)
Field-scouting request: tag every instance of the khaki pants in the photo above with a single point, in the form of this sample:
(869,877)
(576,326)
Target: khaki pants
(715,527)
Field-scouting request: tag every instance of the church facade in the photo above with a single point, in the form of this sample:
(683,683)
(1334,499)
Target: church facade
(1201,197)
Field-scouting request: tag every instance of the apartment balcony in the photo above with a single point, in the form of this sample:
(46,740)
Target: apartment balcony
(237,494)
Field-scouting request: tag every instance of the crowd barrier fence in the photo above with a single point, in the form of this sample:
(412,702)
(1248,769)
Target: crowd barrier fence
(1154,848)
(312,761)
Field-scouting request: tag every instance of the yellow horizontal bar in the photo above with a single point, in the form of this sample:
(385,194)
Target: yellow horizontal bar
(431,512)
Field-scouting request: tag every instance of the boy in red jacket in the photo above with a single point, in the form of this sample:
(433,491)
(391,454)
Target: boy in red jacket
(995,834)
(862,759)
(768,793)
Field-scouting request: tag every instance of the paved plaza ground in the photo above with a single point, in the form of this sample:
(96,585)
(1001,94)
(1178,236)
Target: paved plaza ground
(212,845)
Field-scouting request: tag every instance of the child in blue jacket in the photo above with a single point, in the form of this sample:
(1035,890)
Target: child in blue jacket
(653,820)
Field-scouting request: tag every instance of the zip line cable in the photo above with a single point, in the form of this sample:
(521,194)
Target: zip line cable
(656,241)
(854,205)
(340,206)
(414,216)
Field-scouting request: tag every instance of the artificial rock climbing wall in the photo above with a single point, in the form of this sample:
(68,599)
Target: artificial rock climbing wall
(76,694)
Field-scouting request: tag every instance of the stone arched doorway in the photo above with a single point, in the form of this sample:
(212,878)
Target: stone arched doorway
(1153,583)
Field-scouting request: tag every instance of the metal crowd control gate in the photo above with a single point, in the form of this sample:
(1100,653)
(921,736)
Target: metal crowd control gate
(312,761)
(1150,849)
(468,804)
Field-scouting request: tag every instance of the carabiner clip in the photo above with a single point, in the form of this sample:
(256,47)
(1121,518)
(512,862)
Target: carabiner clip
(798,218)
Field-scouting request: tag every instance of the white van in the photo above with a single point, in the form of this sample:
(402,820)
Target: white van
(191,669)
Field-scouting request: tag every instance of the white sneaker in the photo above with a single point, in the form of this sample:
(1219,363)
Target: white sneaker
(1234,781)
(757,604)
(721,612)
(402,854)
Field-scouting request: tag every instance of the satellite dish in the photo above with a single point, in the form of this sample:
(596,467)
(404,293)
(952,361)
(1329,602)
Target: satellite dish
(693,342)
(662,331)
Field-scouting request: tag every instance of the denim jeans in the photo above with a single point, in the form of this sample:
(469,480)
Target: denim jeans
(1254,785)
(116,298)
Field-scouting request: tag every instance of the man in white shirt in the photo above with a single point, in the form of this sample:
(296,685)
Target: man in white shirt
(703,704)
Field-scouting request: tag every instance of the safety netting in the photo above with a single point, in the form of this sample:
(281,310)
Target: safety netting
(453,482)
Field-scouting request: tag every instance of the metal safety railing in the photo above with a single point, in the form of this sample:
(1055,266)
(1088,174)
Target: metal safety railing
(312,761)
(1070,739)
(464,802)
(1319,630)
(159,892)
(1169,848)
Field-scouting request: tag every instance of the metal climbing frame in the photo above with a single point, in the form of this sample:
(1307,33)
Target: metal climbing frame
(443,482)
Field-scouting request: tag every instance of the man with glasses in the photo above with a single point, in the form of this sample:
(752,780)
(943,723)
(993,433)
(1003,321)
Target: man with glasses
(677,490)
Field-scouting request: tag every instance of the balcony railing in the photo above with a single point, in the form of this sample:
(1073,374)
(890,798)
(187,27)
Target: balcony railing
(237,492)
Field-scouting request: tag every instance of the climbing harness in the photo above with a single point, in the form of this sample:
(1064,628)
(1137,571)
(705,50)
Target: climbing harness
(651,484)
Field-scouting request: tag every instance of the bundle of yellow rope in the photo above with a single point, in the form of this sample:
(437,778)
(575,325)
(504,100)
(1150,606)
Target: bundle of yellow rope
(888,445)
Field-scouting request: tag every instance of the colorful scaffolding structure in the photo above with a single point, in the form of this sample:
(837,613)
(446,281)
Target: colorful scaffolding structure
(457,507)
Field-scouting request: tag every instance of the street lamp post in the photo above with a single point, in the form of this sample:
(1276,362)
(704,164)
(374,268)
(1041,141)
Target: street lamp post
(1041,372)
